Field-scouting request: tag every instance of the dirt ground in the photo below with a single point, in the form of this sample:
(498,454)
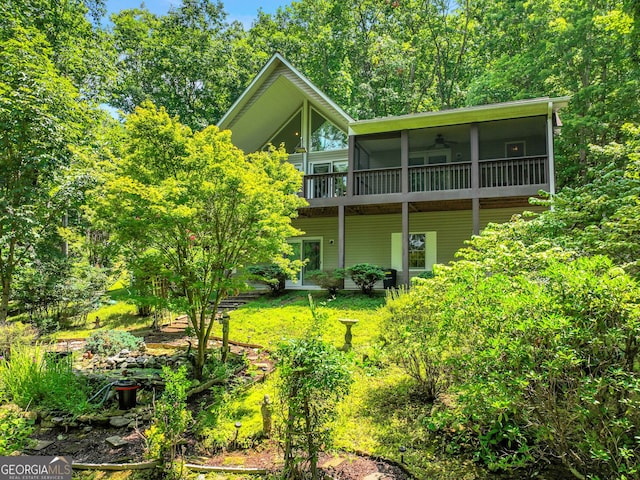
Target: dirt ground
(87,444)
(91,447)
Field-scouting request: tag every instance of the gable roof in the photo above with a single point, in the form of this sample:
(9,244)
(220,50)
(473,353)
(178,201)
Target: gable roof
(271,99)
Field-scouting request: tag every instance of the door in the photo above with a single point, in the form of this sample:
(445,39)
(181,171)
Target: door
(311,251)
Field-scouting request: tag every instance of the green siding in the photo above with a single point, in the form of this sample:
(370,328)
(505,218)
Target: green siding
(327,230)
(368,237)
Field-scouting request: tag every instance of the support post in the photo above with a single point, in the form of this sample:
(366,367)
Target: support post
(341,236)
(405,243)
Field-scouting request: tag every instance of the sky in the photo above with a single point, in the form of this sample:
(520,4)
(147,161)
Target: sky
(244,11)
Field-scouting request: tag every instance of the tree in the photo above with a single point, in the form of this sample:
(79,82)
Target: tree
(80,50)
(204,207)
(40,113)
(190,61)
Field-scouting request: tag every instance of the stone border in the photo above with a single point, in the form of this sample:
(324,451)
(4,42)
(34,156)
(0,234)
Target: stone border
(116,466)
(157,463)
(214,468)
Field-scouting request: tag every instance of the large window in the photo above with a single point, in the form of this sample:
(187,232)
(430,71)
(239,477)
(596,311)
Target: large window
(289,134)
(309,250)
(325,136)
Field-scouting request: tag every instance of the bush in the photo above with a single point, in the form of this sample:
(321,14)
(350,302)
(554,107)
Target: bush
(15,430)
(313,377)
(110,342)
(272,276)
(37,379)
(331,280)
(14,334)
(539,354)
(171,419)
(365,276)
(410,326)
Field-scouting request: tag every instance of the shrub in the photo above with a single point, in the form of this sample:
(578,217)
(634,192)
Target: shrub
(331,280)
(15,430)
(14,334)
(272,276)
(171,418)
(539,352)
(110,342)
(411,327)
(365,276)
(35,378)
(313,378)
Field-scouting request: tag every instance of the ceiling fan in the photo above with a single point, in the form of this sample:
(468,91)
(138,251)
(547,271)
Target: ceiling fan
(440,142)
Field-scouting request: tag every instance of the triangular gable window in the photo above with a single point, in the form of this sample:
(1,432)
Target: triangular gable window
(325,136)
(289,134)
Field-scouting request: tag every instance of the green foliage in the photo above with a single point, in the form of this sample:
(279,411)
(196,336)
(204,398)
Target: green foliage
(365,276)
(202,205)
(271,275)
(528,337)
(171,417)
(189,61)
(331,280)
(314,376)
(38,379)
(15,430)
(110,342)
(15,334)
(410,326)
(39,112)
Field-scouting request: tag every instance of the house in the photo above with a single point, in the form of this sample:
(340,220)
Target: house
(401,192)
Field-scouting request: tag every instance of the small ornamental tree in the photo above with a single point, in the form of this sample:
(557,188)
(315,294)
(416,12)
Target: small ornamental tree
(332,280)
(314,376)
(365,276)
(205,208)
(273,276)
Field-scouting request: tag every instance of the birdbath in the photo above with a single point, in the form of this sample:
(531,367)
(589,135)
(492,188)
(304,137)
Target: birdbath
(348,323)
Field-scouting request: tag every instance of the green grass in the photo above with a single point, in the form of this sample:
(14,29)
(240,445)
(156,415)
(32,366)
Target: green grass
(381,413)
(116,314)
(270,321)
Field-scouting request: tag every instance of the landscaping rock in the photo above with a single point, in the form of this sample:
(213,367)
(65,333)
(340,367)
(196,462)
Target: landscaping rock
(119,422)
(57,420)
(116,441)
(33,416)
(375,476)
(41,445)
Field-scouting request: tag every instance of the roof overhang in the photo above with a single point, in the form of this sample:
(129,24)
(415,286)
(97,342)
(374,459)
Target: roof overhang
(481,113)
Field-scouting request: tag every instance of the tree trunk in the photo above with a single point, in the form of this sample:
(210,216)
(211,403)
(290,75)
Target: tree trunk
(4,303)
(201,356)
(312,449)
(289,461)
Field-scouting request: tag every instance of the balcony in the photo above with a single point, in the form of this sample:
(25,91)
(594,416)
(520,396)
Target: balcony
(522,173)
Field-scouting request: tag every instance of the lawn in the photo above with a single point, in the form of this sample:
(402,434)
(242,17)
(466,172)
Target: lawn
(382,412)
